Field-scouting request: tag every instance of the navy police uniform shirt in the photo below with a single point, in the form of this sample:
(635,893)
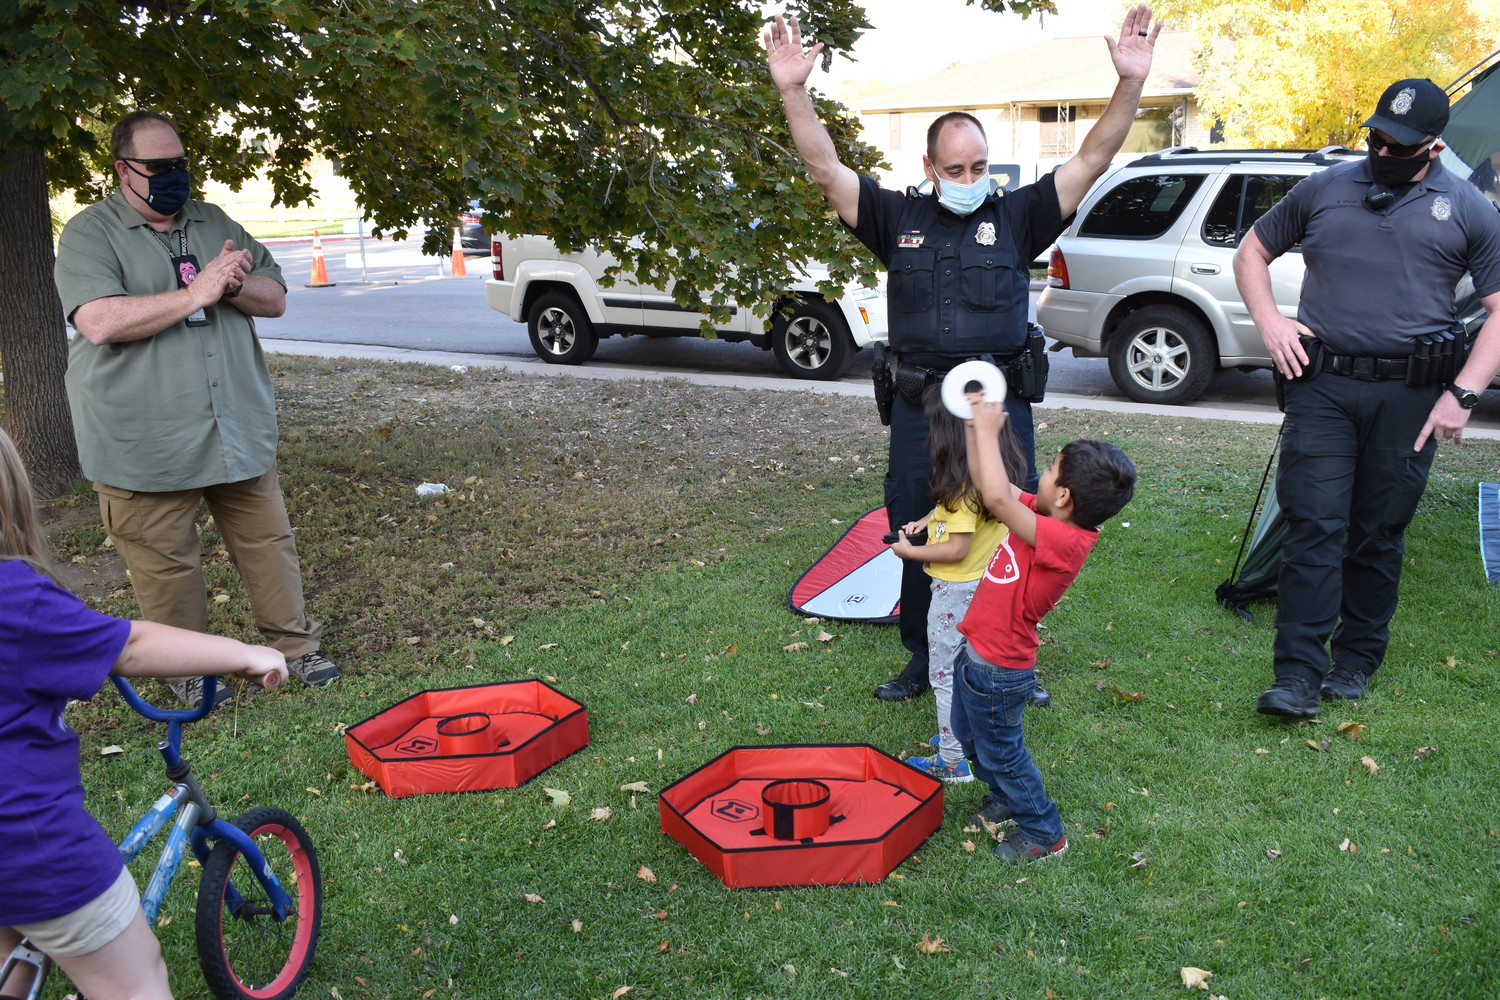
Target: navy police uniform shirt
(958,286)
(1375,281)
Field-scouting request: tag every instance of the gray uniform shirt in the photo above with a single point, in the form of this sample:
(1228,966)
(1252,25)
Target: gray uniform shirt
(188,407)
(1375,281)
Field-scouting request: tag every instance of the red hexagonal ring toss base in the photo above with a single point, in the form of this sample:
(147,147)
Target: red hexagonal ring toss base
(468,739)
(878,812)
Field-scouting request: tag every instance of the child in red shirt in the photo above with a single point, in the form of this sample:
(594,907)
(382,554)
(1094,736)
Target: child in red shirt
(1050,536)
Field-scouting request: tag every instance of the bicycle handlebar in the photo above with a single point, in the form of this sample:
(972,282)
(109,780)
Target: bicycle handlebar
(135,701)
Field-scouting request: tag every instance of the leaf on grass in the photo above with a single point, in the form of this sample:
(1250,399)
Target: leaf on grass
(550,824)
(1099,664)
(664,946)
(550,645)
(1138,859)
(1423,752)
(698,563)
(889,902)
(636,786)
(811,621)
(659,915)
(110,750)
(932,945)
(453,918)
(1274,853)
(600,813)
(970,846)
(1370,765)
(1192,976)
(506,640)
(617,994)
(1349,846)
(1127,695)
(559,796)
(795,647)
(1261,750)
(645,874)
(763,730)
(532,897)
(368,786)
(1320,745)
(577,926)
(824,637)
(692,699)
(814,704)
(731,649)
(1351,730)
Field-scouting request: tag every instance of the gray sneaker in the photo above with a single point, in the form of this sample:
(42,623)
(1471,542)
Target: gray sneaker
(314,669)
(190,692)
(993,812)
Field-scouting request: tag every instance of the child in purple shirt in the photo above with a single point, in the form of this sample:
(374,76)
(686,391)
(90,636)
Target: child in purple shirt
(62,883)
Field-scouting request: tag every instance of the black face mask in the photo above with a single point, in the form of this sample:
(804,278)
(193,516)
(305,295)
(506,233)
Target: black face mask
(166,192)
(1393,170)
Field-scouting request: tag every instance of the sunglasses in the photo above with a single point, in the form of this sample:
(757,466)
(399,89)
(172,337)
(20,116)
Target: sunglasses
(1376,142)
(160,166)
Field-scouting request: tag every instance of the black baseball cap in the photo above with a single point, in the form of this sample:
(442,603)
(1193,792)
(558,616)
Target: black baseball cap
(1411,110)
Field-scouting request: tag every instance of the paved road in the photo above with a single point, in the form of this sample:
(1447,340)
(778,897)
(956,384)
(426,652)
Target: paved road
(401,300)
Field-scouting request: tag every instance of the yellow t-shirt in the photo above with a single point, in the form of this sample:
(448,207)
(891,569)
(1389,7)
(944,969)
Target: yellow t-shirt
(987,536)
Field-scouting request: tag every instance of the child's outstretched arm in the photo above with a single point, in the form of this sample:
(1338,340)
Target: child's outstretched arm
(156,650)
(987,469)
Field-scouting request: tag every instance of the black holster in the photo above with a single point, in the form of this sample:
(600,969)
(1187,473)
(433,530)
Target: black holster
(885,385)
(1026,375)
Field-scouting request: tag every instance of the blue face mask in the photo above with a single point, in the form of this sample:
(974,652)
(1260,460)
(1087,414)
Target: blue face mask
(963,199)
(166,192)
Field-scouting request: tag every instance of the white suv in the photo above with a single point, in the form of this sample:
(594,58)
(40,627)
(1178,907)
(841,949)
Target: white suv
(1144,276)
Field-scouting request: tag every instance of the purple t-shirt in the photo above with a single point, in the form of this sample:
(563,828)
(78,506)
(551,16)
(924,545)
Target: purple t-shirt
(54,856)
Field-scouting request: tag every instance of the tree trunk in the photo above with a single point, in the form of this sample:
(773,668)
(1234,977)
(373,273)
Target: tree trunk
(33,341)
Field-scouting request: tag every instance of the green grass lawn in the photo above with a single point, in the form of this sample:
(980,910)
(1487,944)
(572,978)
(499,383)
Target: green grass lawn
(634,543)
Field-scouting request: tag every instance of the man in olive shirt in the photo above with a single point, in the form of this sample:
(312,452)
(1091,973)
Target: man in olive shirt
(171,397)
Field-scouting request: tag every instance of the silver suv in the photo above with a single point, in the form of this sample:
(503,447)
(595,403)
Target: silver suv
(1144,276)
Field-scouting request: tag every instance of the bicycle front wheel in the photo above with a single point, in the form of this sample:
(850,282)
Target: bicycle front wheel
(244,951)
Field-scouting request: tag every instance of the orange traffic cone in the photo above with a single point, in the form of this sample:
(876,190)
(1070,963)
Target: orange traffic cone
(319,268)
(458,269)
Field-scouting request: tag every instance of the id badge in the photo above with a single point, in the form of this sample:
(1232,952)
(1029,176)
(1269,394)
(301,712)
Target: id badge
(186,266)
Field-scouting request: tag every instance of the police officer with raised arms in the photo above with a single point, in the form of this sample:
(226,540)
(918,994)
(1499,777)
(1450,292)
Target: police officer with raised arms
(958,262)
(1373,374)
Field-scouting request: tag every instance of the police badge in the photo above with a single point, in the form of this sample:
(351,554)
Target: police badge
(985,234)
(1403,101)
(1441,209)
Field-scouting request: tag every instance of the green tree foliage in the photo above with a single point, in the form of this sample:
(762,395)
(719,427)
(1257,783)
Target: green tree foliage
(648,128)
(1305,73)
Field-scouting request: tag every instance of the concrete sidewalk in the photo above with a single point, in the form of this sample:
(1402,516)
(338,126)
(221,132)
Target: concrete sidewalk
(1196,410)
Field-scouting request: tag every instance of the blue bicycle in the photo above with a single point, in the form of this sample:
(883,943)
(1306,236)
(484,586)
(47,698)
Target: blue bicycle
(260,901)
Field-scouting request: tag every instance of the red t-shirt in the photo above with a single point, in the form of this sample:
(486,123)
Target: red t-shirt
(1021,584)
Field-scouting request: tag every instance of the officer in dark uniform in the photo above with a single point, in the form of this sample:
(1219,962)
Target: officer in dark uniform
(958,261)
(1375,375)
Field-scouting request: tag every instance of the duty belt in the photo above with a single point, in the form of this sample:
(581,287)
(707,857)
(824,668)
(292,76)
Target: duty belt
(1364,368)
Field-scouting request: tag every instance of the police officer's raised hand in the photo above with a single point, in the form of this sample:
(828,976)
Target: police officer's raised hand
(1137,42)
(790,66)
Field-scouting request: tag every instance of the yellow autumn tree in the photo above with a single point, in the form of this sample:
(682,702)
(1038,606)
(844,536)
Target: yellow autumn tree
(1305,73)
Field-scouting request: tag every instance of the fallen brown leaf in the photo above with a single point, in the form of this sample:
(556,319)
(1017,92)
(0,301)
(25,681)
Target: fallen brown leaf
(645,874)
(932,945)
(600,814)
(794,647)
(1370,765)
(532,897)
(577,926)
(1351,730)
(1320,745)
(1192,976)
(1423,752)
(1127,695)
(617,994)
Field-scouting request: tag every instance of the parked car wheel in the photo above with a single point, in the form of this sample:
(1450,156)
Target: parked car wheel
(560,331)
(810,342)
(1162,354)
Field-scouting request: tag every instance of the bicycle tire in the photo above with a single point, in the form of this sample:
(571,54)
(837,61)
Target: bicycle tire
(250,955)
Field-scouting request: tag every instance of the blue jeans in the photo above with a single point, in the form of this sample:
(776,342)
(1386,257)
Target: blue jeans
(987,706)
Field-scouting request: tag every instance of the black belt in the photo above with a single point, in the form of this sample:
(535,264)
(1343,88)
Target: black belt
(940,365)
(1363,367)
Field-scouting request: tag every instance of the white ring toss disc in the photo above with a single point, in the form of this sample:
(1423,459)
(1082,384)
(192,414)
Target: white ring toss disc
(990,379)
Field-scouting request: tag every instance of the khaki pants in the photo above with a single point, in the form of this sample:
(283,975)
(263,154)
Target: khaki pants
(156,536)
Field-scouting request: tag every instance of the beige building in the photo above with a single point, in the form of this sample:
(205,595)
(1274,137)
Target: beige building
(1037,104)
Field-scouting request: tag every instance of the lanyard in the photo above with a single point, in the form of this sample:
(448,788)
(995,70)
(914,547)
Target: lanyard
(181,235)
